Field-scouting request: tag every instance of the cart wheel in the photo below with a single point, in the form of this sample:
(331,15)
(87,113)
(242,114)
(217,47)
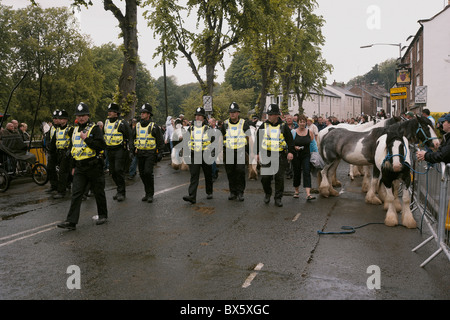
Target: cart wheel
(4,180)
(39,174)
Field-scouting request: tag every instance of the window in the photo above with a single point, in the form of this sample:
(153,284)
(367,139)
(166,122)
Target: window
(418,50)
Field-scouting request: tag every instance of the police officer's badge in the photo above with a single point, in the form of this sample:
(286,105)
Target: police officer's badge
(198,109)
(269,108)
(60,113)
(80,107)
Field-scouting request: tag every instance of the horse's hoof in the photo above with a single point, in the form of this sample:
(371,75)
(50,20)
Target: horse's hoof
(391,220)
(324,192)
(334,193)
(337,184)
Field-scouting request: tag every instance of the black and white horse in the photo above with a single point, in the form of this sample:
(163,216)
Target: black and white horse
(366,170)
(358,148)
(392,163)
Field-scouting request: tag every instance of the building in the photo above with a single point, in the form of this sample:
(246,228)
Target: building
(374,98)
(428,56)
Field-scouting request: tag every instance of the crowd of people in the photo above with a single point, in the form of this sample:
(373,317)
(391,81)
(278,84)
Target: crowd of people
(282,144)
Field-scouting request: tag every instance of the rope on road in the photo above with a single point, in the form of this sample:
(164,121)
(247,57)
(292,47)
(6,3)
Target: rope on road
(351,229)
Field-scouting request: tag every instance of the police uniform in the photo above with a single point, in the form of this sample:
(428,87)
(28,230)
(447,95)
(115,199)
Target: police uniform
(61,144)
(199,143)
(88,169)
(148,143)
(234,146)
(274,141)
(51,154)
(117,133)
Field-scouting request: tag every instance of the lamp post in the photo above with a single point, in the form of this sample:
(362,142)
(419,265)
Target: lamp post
(399,45)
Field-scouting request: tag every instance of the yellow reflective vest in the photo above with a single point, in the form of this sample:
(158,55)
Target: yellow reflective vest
(235,137)
(112,135)
(273,139)
(80,149)
(144,139)
(62,138)
(199,138)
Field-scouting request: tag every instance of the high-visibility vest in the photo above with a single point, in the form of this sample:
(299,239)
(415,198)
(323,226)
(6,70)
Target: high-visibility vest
(112,135)
(80,149)
(235,137)
(273,139)
(199,139)
(62,138)
(144,139)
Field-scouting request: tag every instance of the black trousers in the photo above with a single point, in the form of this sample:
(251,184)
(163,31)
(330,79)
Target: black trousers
(64,172)
(266,180)
(146,162)
(301,163)
(118,158)
(235,171)
(194,170)
(51,170)
(88,172)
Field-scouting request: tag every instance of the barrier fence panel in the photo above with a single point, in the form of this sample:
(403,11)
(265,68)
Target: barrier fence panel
(431,197)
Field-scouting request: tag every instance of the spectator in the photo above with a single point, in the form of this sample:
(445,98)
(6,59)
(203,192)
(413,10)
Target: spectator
(23,132)
(426,113)
(443,152)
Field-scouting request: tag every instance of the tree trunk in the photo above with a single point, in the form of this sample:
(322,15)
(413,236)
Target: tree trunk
(126,95)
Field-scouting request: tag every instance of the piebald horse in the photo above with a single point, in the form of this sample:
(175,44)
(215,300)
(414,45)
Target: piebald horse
(365,168)
(392,163)
(358,148)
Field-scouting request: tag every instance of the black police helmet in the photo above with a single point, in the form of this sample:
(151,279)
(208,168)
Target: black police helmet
(146,107)
(82,109)
(114,107)
(273,109)
(234,107)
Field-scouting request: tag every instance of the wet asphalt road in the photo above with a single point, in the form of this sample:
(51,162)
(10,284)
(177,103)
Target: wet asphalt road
(214,250)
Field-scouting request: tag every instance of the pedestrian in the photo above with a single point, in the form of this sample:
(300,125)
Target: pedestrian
(23,127)
(87,145)
(117,134)
(215,171)
(61,145)
(302,137)
(321,123)
(442,154)
(235,133)
(168,134)
(275,148)
(133,164)
(148,145)
(426,114)
(199,145)
(409,115)
(51,154)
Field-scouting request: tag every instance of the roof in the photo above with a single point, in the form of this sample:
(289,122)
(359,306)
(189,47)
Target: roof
(345,91)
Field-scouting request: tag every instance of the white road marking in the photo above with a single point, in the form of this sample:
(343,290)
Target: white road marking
(252,275)
(53,223)
(27,236)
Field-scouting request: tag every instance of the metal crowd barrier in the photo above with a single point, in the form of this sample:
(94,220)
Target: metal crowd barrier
(430,194)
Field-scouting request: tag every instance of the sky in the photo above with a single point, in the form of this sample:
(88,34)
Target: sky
(349,24)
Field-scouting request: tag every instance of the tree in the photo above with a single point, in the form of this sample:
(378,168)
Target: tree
(219,26)
(47,43)
(126,94)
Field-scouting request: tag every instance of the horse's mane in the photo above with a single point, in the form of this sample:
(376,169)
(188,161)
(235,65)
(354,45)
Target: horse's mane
(409,127)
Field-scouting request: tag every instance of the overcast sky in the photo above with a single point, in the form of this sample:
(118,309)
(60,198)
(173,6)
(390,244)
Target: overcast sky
(349,25)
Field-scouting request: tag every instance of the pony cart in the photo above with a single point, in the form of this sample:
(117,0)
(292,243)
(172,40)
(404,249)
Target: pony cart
(16,161)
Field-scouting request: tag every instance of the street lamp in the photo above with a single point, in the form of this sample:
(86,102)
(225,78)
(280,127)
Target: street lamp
(399,45)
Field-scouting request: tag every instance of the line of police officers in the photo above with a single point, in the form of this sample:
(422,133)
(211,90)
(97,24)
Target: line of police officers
(81,148)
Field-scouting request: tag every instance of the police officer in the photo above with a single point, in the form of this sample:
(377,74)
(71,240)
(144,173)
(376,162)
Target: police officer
(275,148)
(235,138)
(87,145)
(62,144)
(117,133)
(148,144)
(51,154)
(199,145)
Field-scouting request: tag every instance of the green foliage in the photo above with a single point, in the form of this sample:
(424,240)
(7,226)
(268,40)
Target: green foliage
(383,74)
